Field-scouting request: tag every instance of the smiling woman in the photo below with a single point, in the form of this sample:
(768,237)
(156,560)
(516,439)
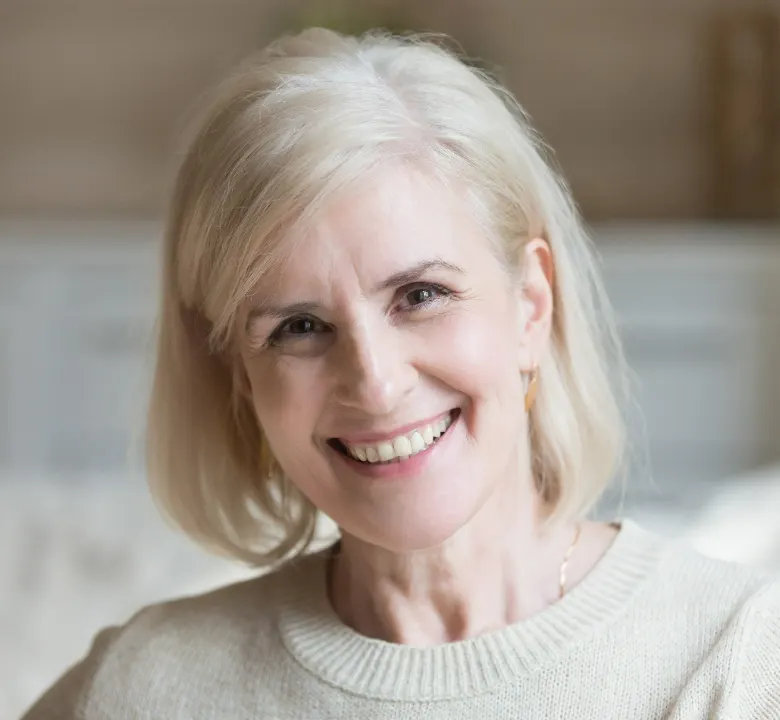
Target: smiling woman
(384,341)
(379,305)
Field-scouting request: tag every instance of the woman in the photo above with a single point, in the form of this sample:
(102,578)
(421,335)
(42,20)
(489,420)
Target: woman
(379,305)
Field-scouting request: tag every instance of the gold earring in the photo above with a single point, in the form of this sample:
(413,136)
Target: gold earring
(530,393)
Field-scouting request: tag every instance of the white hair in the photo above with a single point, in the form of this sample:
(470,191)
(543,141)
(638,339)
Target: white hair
(306,117)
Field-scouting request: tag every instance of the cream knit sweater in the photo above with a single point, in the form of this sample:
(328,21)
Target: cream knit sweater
(654,631)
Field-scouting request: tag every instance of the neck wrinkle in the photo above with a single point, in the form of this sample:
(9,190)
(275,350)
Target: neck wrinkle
(458,591)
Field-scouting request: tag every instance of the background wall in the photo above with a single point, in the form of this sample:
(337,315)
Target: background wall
(94,92)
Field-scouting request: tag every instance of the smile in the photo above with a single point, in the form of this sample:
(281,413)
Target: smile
(400,447)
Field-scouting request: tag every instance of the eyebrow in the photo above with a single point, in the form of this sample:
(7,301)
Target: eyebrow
(416,272)
(281,311)
(404,277)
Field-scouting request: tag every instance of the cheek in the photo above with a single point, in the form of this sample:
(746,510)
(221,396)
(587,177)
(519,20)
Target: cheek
(286,403)
(479,359)
(481,351)
(287,406)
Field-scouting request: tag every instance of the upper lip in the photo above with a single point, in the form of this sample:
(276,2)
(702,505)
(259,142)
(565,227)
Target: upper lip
(371,438)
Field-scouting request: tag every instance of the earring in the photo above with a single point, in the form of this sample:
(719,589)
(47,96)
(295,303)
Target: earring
(530,393)
(269,466)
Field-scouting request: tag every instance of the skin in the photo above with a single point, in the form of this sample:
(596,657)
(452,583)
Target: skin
(450,546)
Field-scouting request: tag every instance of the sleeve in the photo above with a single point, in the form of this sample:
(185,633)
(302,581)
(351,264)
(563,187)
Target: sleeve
(755,687)
(69,697)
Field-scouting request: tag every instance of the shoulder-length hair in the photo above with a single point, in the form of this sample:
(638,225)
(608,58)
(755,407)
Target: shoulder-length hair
(306,117)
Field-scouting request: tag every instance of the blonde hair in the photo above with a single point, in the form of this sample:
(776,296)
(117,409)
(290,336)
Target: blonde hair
(304,118)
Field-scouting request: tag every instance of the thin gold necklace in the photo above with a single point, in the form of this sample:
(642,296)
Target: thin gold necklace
(565,563)
(561,574)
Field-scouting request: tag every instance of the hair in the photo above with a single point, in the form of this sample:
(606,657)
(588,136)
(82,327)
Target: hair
(290,127)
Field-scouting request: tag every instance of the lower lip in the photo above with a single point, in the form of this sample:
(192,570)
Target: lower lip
(413,465)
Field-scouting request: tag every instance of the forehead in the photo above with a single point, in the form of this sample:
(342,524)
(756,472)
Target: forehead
(379,226)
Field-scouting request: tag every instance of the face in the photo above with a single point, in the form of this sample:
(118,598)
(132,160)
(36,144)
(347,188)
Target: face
(386,358)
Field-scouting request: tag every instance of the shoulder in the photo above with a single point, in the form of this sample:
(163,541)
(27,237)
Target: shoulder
(692,581)
(227,608)
(755,671)
(689,599)
(237,619)
(742,668)
(721,598)
(172,657)
(718,620)
(222,617)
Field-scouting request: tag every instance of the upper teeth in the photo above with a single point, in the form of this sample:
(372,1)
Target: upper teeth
(402,446)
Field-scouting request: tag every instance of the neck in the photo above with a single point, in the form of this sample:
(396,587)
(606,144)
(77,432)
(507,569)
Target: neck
(499,569)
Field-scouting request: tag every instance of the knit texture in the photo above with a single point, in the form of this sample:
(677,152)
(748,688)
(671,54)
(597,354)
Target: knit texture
(653,631)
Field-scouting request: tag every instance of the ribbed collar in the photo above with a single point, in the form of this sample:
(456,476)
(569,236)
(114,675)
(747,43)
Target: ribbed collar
(318,639)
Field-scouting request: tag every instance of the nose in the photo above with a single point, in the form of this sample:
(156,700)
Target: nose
(373,368)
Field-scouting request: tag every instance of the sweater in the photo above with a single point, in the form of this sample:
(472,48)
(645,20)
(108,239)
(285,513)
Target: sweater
(654,630)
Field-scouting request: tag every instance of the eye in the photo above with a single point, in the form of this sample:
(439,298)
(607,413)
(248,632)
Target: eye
(298,328)
(421,296)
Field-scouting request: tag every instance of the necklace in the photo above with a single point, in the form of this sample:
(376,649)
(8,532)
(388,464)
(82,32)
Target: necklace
(561,573)
(565,563)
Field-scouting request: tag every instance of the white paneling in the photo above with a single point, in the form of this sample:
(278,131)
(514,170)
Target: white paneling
(700,316)
(5,390)
(100,383)
(78,329)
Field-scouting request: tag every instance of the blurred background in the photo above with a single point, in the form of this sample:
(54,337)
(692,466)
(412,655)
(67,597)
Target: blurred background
(665,118)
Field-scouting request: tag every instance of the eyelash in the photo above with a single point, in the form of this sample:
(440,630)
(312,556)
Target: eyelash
(441,292)
(279,335)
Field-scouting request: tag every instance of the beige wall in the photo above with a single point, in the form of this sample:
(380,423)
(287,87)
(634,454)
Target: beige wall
(93,92)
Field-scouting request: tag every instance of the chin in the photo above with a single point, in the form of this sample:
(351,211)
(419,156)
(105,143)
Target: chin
(424,519)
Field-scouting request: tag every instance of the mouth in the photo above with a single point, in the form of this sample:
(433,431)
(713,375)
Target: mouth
(401,447)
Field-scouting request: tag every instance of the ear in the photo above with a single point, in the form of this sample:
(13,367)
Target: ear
(535,296)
